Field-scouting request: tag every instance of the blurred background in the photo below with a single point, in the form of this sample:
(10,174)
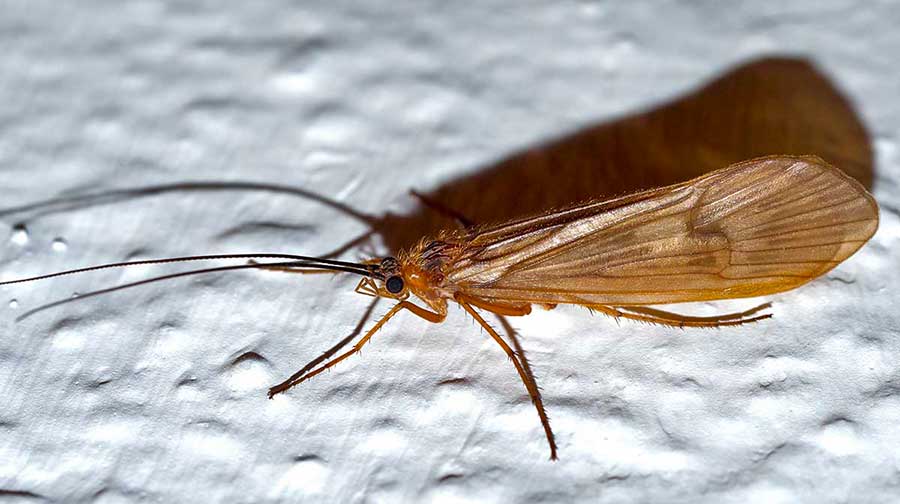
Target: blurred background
(150,129)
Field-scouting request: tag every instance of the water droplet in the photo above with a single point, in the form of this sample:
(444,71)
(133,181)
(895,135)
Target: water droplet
(75,295)
(59,245)
(13,303)
(19,234)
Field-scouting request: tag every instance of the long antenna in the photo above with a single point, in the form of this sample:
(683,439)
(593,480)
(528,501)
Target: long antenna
(369,270)
(145,281)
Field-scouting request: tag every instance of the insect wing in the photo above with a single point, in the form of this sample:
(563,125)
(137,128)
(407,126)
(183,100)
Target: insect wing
(753,228)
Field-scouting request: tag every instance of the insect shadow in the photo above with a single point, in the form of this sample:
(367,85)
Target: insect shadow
(768,106)
(771,106)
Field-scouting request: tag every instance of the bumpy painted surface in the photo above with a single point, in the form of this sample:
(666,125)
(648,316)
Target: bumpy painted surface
(158,393)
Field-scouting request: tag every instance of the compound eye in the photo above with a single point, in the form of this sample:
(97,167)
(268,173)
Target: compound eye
(394,284)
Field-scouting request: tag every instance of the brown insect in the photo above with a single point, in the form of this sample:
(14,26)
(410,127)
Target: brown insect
(754,228)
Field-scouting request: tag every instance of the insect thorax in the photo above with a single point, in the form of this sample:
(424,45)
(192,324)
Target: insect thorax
(431,257)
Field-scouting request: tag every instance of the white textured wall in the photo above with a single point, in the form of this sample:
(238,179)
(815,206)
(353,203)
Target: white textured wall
(158,393)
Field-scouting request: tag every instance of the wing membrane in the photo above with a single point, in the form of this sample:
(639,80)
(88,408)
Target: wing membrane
(754,228)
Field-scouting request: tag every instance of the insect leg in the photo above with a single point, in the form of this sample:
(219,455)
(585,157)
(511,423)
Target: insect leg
(520,352)
(288,269)
(402,305)
(675,320)
(653,312)
(463,221)
(508,309)
(293,269)
(367,287)
(530,386)
(290,382)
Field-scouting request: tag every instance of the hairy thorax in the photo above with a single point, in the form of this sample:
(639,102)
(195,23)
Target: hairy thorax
(424,266)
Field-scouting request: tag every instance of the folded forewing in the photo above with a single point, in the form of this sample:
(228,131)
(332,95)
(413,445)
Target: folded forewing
(754,228)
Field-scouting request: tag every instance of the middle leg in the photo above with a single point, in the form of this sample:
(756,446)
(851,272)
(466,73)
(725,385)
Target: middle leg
(530,386)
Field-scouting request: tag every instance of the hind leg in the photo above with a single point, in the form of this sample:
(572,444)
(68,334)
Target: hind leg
(654,316)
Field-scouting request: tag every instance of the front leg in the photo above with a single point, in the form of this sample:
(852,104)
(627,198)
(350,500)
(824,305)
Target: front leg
(301,377)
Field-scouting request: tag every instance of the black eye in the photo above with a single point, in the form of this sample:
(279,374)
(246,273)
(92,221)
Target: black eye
(394,284)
